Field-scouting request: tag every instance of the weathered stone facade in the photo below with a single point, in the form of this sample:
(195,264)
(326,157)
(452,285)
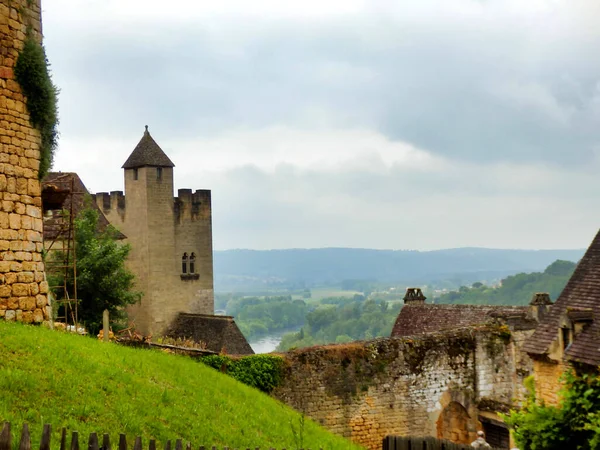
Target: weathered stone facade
(161,230)
(23,290)
(445,384)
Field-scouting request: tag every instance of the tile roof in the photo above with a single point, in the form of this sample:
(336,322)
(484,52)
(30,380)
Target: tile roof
(421,318)
(147,153)
(219,333)
(581,293)
(58,188)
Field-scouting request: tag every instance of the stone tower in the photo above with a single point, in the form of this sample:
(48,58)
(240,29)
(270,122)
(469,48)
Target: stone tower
(23,291)
(171,238)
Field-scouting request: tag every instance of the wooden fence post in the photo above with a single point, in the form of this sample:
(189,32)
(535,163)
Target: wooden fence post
(168,445)
(152,445)
(93,442)
(63,439)
(122,442)
(46,435)
(5,437)
(25,443)
(106,441)
(75,440)
(178,445)
(138,443)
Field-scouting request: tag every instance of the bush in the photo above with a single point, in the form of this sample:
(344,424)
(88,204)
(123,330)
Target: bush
(573,424)
(263,372)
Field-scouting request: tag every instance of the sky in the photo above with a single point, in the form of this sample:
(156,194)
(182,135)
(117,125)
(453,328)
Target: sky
(345,123)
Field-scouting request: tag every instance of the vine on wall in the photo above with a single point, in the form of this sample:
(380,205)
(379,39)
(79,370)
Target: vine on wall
(33,75)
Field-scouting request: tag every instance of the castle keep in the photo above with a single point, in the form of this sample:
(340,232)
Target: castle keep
(170,237)
(23,291)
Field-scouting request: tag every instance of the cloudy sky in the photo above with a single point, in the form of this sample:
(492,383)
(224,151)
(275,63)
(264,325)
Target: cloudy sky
(382,124)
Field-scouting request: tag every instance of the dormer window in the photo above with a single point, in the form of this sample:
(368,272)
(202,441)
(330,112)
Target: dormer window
(184,263)
(159,174)
(192,263)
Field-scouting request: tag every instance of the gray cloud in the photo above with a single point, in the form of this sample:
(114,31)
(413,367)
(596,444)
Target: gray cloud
(506,96)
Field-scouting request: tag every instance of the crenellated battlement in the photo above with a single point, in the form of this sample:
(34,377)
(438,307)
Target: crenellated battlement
(187,206)
(192,206)
(110,201)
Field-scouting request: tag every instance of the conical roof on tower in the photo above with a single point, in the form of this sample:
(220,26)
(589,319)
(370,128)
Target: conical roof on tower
(147,153)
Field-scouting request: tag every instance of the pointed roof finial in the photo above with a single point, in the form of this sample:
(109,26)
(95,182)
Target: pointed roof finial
(147,153)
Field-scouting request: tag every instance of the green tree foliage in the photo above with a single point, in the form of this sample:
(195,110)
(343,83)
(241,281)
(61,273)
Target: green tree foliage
(259,316)
(573,424)
(103,281)
(343,319)
(32,74)
(515,289)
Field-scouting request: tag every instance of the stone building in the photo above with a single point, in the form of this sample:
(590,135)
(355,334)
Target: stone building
(569,333)
(446,371)
(170,237)
(23,289)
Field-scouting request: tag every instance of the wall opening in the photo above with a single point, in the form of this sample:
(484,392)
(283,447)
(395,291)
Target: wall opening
(496,433)
(453,424)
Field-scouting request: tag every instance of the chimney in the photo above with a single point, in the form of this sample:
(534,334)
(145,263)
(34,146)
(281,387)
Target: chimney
(540,305)
(414,296)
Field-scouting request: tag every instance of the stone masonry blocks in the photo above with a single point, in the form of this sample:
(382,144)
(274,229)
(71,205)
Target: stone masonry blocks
(23,293)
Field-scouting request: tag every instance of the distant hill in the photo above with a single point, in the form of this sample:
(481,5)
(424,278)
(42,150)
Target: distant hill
(333,265)
(515,289)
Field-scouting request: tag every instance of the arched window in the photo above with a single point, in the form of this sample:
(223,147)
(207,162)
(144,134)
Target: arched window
(192,263)
(184,263)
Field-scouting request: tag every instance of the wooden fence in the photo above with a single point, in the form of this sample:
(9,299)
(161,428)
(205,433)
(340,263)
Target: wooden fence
(93,443)
(421,443)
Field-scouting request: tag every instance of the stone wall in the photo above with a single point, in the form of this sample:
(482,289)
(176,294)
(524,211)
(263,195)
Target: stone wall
(23,291)
(433,385)
(547,375)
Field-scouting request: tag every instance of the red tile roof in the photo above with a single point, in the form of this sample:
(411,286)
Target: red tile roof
(420,318)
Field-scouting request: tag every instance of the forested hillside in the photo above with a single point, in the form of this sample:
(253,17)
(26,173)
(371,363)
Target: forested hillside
(237,270)
(515,289)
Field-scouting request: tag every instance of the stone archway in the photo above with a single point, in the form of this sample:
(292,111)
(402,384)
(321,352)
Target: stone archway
(453,423)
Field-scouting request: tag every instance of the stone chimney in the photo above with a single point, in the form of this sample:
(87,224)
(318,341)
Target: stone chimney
(540,305)
(414,296)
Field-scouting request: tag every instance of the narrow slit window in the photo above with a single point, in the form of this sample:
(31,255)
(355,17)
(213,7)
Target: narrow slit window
(566,337)
(192,263)
(159,173)
(135,174)
(184,263)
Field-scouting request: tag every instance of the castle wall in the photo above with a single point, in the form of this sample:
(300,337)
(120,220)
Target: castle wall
(406,386)
(23,291)
(160,228)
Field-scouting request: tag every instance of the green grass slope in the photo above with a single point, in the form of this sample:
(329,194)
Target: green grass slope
(87,385)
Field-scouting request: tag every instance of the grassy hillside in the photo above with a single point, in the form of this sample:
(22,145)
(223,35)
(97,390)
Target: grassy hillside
(86,385)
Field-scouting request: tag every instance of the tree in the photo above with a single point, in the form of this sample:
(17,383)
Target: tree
(573,424)
(103,281)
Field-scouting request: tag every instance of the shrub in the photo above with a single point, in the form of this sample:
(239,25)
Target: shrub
(263,372)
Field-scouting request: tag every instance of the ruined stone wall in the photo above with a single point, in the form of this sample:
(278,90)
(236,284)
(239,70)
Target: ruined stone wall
(405,386)
(23,291)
